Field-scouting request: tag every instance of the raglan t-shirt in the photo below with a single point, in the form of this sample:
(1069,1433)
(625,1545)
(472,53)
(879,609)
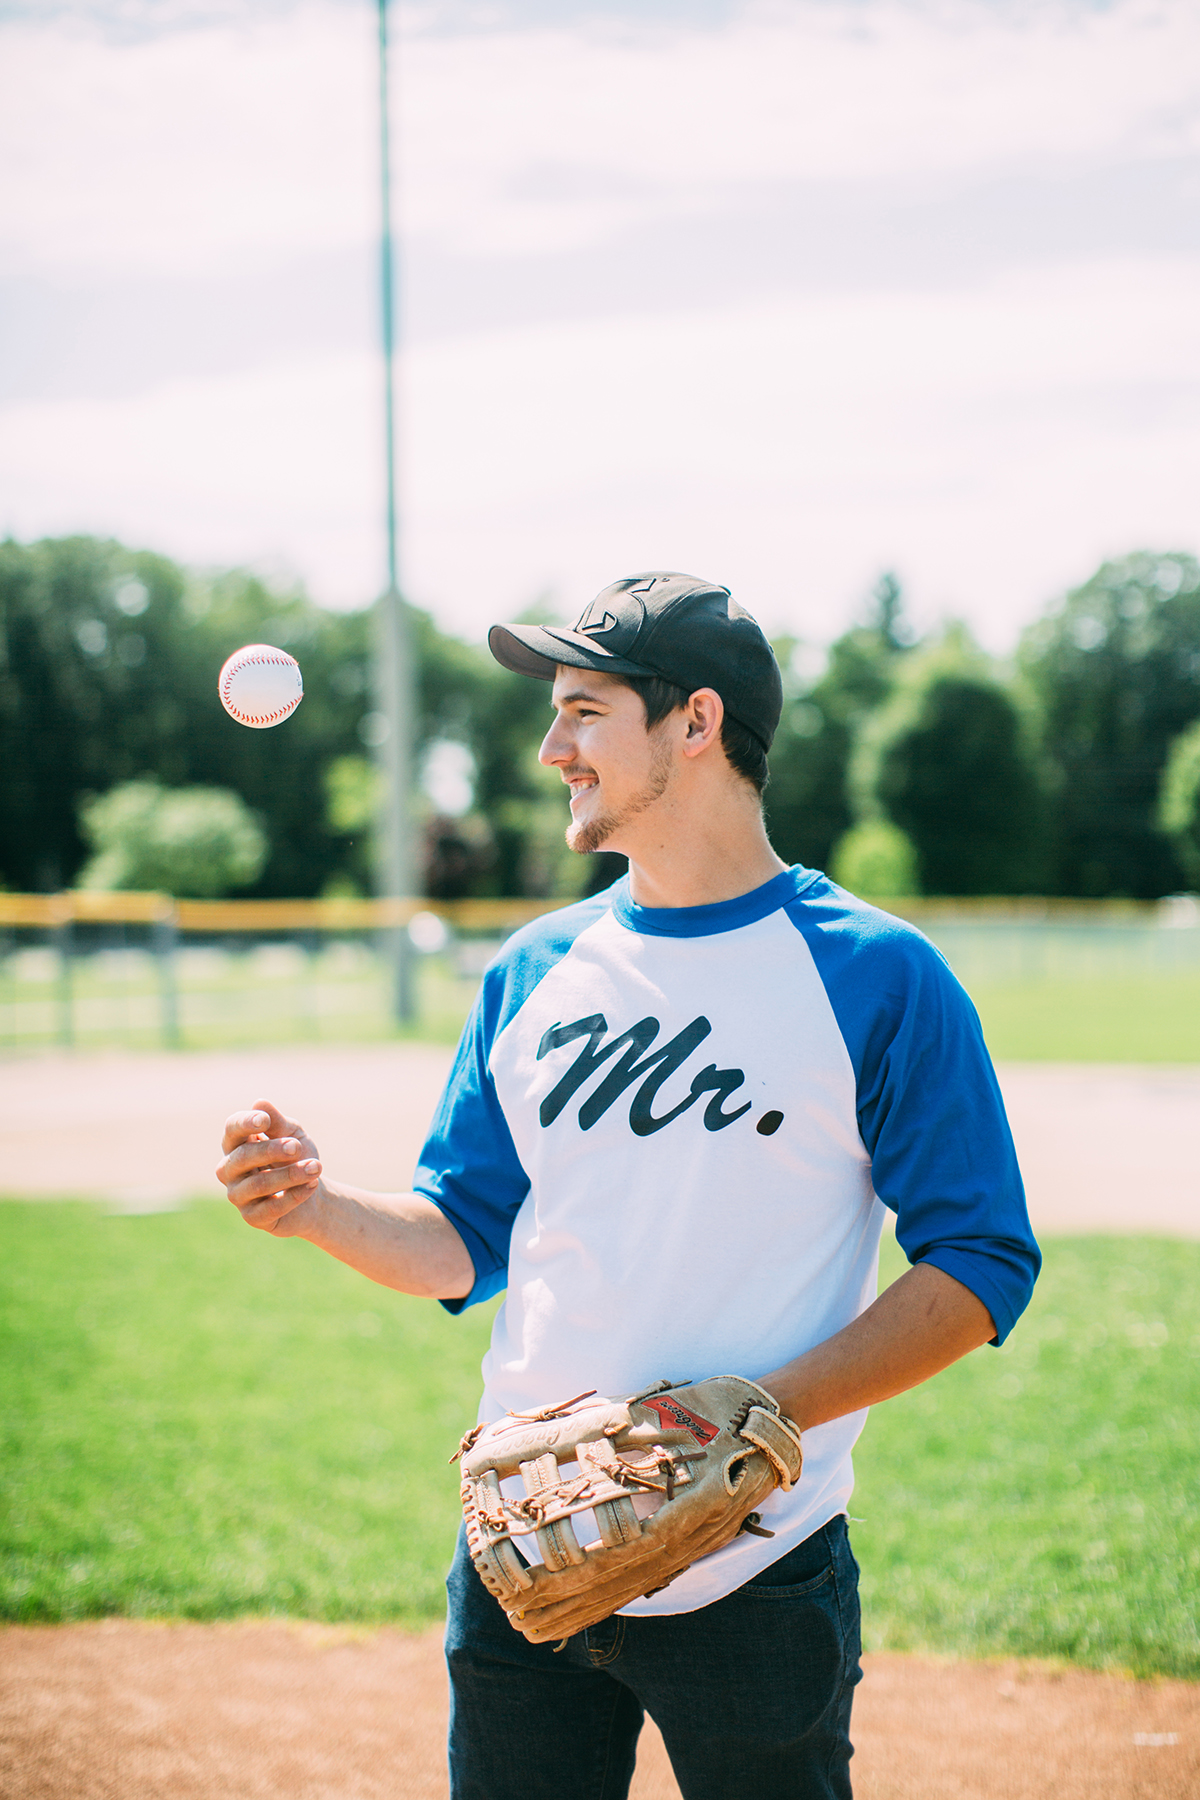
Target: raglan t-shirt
(670,1135)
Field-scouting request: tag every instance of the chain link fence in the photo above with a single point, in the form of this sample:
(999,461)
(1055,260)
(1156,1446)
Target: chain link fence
(140,970)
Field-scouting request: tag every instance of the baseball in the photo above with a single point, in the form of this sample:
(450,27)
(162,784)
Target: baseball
(259,685)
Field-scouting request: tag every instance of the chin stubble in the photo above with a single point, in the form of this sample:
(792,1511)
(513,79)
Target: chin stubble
(585,840)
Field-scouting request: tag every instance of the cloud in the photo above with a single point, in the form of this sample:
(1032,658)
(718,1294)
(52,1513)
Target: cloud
(557,137)
(177,154)
(255,139)
(994,445)
(912,380)
(278,464)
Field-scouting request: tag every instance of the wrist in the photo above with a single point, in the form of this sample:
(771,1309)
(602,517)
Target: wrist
(315,1215)
(788,1395)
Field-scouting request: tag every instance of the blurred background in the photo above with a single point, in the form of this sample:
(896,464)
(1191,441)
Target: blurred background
(881,312)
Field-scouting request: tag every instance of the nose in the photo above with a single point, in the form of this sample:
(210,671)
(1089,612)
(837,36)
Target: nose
(557,745)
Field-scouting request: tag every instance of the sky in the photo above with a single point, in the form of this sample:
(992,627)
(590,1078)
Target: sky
(780,294)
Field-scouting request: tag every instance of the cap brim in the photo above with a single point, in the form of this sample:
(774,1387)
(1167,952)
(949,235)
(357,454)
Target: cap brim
(538,649)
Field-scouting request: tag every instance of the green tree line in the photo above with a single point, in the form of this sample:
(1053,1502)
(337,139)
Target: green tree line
(903,764)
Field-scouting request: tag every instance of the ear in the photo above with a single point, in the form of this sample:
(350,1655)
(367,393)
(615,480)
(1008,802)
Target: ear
(702,719)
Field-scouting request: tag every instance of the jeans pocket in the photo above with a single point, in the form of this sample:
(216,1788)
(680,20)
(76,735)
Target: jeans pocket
(804,1568)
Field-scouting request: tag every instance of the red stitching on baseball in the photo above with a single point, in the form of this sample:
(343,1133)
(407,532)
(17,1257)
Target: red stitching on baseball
(281,660)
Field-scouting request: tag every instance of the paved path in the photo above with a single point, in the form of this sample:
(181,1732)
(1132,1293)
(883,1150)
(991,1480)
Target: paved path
(1107,1148)
(144,1131)
(1104,1148)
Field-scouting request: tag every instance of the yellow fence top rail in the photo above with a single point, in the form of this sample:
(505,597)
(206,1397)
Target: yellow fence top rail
(84,906)
(355,915)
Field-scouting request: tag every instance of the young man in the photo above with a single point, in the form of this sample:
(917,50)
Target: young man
(677,1114)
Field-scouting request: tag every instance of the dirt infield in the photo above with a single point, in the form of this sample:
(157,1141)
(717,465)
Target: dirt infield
(126,1711)
(1103,1148)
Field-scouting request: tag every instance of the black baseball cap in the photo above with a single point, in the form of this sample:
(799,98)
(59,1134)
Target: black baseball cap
(688,631)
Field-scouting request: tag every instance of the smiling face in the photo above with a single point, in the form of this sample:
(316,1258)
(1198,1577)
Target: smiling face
(615,768)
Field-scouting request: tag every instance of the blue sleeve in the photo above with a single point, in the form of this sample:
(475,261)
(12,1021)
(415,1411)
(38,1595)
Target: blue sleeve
(469,1166)
(929,1105)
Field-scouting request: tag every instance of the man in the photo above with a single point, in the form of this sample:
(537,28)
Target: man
(676,1116)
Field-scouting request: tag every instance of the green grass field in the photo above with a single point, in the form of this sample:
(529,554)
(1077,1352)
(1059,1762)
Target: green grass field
(201,1422)
(1151,1018)
(1040,1500)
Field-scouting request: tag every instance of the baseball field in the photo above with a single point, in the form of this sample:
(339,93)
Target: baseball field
(228,1511)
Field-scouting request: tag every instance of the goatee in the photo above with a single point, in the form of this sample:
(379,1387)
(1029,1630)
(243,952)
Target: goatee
(585,840)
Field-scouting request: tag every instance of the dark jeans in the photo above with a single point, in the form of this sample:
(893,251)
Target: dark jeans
(752,1694)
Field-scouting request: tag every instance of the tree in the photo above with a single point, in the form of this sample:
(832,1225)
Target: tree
(523,803)
(1116,671)
(1179,801)
(108,668)
(196,842)
(959,779)
(875,858)
(951,761)
(809,804)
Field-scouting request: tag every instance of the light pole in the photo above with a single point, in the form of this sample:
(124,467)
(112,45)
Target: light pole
(393,650)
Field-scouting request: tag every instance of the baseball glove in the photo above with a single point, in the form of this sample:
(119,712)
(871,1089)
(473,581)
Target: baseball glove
(670,1474)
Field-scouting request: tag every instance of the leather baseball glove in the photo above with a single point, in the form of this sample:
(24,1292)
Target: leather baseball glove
(670,1474)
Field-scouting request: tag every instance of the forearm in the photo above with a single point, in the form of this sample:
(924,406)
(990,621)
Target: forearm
(401,1241)
(922,1323)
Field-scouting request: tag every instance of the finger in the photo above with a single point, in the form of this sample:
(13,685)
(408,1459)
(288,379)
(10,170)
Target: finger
(279,1125)
(259,1152)
(241,1126)
(267,1213)
(274,1178)
(577,1611)
(627,1580)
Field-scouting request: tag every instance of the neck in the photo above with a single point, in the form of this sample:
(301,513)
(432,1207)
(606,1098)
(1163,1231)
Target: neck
(698,856)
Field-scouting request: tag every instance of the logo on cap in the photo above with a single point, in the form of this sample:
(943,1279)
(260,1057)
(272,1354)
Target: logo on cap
(597,627)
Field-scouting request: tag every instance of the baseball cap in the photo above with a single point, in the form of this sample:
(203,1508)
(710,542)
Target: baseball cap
(687,631)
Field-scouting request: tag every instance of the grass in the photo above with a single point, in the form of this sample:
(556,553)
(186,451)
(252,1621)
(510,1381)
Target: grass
(1152,1018)
(201,1422)
(1041,1500)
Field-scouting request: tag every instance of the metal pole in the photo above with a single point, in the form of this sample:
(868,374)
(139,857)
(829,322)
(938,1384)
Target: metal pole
(387,295)
(393,660)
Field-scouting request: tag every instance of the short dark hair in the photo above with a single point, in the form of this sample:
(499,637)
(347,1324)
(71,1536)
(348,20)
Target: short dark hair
(743,751)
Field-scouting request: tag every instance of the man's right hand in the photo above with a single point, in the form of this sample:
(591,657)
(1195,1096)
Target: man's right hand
(271,1170)
(272,1173)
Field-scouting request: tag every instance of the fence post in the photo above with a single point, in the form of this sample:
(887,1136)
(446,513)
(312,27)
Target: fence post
(310,948)
(166,939)
(7,946)
(64,936)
